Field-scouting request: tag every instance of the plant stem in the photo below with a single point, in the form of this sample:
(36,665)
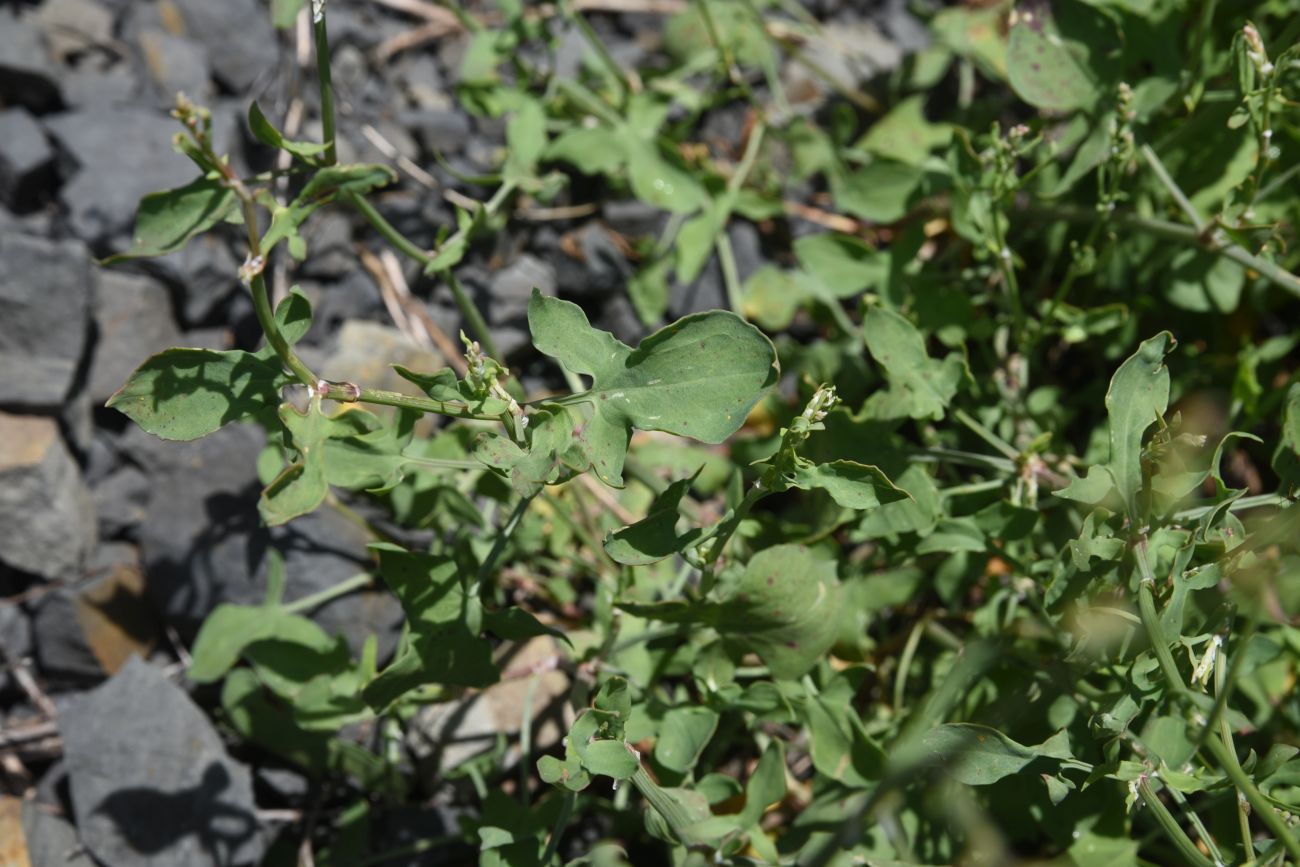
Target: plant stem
(1170,826)
(471,314)
(266,318)
(674,814)
(627,80)
(1171,186)
(473,593)
(1172,231)
(987,435)
(1226,758)
(730,276)
(346,393)
(328,134)
(561,822)
(329,594)
(1221,681)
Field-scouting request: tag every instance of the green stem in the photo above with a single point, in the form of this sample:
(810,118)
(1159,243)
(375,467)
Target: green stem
(666,805)
(727,530)
(1171,186)
(1170,826)
(348,585)
(1226,758)
(1221,681)
(627,84)
(426,258)
(475,589)
(266,318)
(561,822)
(730,276)
(1172,231)
(328,134)
(348,393)
(987,435)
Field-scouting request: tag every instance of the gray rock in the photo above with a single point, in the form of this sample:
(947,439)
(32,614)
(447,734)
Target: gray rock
(73,26)
(45,294)
(45,508)
(203,542)
(746,247)
(121,155)
(98,82)
(176,65)
(133,320)
(237,35)
(512,286)
(151,782)
(201,539)
(329,246)
(633,218)
(28,75)
(607,267)
(442,130)
(706,292)
(421,82)
(26,160)
(121,501)
(207,274)
(15,642)
(51,840)
(62,652)
(88,630)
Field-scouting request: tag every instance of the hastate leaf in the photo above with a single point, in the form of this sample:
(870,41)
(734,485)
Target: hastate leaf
(698,377)
(919,386)
(655,537)
(165,221)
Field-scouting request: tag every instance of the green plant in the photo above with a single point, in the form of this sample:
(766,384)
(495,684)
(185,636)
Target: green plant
(946,561)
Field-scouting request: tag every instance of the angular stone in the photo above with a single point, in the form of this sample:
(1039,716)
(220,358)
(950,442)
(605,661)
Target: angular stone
(121,155)
(15,641)
(176,65)
(51,841)
(512,286)
(45,508)
(90,630)
(73,26)
(45,293)
(236,33)
(133,320)
(99,82)
(26,160)
(121,501)
(151,782)
(203,542)
(28,75)
(207,274)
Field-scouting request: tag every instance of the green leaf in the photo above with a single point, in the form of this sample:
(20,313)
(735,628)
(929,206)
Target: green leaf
(979,756)
(165,221)
(610,758)
(771,297)
(1090,489)
(904,134)
(1138,394)
(779,608)
(881,191)
(265,132)
(1049,53)
(184,394)
(301,487)
(516,624)
(698,377)
(357,179)
(230,629)
(919,386)
(590,150)
(525,140)
(550,439)
(657,181)
(845,265)
(766,785)
(683,735)
(568,773)
(440,648)
(849,483)
(655,537)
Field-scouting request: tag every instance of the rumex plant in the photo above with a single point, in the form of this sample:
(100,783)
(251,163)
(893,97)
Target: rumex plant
(943,597)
